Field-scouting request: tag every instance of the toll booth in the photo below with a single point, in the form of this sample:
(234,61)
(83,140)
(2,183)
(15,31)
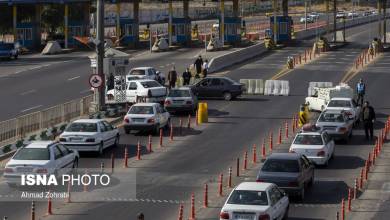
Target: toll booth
(181,30)
(128,35)
(76,29)
(232,30)
(284,28)
(27,33)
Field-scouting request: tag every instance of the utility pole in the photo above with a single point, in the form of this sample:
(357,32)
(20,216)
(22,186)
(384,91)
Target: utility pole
(328,17)
(334,20)
(379,19)
(384,20)
(275,3)
(100,54)
(305,14)
(170,11)
(222,23)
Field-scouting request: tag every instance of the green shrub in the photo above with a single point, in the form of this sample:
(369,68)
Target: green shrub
(7,148)
(32,137)
(19,143)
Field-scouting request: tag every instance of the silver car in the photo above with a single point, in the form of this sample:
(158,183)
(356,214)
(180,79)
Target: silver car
(336,123)
(181,100)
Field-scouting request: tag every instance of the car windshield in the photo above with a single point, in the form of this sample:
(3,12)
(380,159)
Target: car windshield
(246,197)
(82,127)
(308,139)
(331,117)
(339,103)
(141,110)
(179,93)
(32,154)
(150,84)
(137,72)
(6,46)
(281,165)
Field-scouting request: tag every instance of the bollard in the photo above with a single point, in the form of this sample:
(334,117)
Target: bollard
(280,136)
(49,211)
(293,124)
(206,196)
(230,178)
(263,150)
(286,129)
(192,214)
(361,179)
(181,211)
(102,167)
(126,158)
(245,160)
(220,184)
(370,161)
(189,121)
(112,162)
(140,216)
(305,56)
(181,126)
(337,216)
(196,118)
(161,138)
(342,209)
(366,170)
(355,189)
(309,54)
(150,150)
(300,59)
(32,210)
(254,156)
(349,199)
(68,199)
(238,167)
(270,141)
(138,151)
(171,132)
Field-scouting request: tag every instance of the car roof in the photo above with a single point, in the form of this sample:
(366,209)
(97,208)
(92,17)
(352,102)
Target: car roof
(88,120)
(254,186)
(142,68)
(333,111)
(289,156)
(40,144)
(182,88)
(310,133)
(341,98)
(146,104)
(141,80)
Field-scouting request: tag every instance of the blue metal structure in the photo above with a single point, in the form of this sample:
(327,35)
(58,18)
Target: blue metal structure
(181,30)
(232,30)
(284,26)
(25,33)
(128,36)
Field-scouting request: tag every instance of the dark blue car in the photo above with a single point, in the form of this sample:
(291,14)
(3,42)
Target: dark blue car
(8,50)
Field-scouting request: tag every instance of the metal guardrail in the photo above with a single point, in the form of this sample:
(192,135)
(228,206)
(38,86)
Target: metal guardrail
(17,128)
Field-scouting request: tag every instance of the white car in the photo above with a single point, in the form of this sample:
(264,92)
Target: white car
(314,15)
(39,157)
(145,73)
(337,124)
(252,200)
(148,89)
(146,116)
(90,135)
(317,146)
(346,104)
(308,19)
(340,15)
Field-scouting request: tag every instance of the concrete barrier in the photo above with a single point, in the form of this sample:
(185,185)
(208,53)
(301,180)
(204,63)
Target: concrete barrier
(311,90)
(253,86)
(277,87)
(226,60)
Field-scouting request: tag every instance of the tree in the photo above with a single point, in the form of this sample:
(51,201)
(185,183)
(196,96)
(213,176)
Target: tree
(53,17)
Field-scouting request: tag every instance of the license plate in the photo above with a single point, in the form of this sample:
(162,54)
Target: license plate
(243,216)
(25,169)
(138,120)
(75,139)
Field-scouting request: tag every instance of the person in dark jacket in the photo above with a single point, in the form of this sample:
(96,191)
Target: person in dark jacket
(198,65)
(172,77)
(368,118)
(360,91)
(186,77)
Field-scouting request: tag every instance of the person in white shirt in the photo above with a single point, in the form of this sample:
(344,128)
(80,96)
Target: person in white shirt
(205,68)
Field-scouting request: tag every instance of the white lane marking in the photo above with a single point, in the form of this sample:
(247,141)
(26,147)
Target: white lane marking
(29,109)
(73,78)
(35,67)
(28,92)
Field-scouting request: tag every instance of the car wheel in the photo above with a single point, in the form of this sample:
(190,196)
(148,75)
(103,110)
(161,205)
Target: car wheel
(116,143)
(227,96)
(285,216)
(100,149)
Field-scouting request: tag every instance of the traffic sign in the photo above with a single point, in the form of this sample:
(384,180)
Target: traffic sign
(95,81)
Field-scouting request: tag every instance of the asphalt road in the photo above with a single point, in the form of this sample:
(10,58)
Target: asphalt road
(181,168)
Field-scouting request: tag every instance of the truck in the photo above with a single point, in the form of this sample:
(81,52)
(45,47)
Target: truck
(320,97)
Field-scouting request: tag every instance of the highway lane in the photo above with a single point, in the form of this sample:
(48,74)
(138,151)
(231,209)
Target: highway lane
(248,116)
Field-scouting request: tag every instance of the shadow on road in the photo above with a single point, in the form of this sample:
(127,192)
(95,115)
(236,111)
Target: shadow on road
(325,192)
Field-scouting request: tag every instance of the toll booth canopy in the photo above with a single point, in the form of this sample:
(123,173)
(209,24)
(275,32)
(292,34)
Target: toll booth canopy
(283,28)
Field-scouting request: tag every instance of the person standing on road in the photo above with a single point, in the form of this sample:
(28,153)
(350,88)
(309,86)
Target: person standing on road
(198,65)
(360,91)
(368,117)
(172,77)
(186,77)
(205,68)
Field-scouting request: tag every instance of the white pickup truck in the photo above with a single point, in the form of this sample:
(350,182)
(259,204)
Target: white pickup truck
(321,96)
(146,89)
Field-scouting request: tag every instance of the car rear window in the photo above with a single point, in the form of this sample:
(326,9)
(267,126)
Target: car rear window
(179,93)
(32,154)
(308,140)
(339,103)
(331,117)
(247,197)
(281,165)
(141,110)
(137,72)
(150,84)
(82,127)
